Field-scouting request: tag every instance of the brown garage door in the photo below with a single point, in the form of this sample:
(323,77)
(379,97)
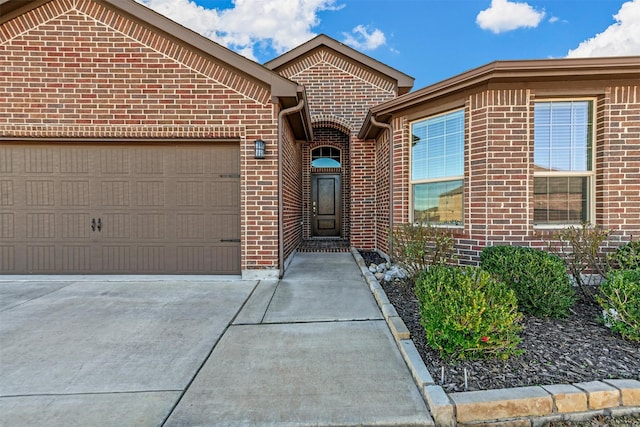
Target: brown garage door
(97,209)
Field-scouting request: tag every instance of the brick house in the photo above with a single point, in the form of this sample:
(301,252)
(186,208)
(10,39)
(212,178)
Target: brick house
(128,145)
(513,151)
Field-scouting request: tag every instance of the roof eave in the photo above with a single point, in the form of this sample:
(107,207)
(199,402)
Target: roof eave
(545,69)
(278,85)
(404,81)
(300,122)
(505,71)
(368,131)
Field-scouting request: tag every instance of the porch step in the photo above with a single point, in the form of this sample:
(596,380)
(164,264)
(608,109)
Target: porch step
(324,245)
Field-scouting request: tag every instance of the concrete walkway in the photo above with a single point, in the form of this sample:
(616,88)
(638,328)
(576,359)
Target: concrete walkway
(311,349)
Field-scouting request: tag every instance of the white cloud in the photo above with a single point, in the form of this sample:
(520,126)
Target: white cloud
(620,39)
(363,38)
(250,24)
(553,19)
(505,15)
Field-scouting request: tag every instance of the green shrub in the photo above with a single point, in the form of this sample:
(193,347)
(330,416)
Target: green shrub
(415,247)
(627,257)
(539,279)
(466,313)
(620,299)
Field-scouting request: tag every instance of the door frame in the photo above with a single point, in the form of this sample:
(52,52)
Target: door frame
(315,232)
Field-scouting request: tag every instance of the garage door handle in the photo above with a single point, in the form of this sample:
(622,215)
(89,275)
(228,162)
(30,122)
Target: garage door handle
(230,240)
(95,224)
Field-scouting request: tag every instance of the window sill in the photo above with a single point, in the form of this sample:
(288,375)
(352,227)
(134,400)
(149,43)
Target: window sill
(434,225)
(555,226)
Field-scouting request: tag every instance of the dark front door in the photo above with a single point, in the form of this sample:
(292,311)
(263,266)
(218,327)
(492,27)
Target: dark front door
(325,200)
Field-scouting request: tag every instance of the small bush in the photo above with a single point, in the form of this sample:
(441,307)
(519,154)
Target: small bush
(582,249)
(539,279)
(620,300)
(627,257)
(467,314)
(415,247)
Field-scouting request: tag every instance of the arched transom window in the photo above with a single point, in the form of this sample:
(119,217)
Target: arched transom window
(325,157)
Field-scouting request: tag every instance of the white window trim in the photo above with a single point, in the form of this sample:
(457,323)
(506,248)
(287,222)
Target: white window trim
(591,205)
(434,180)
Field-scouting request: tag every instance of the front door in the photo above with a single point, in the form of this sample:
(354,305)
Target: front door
(325,209)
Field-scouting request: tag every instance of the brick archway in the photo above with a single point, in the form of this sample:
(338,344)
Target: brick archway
(332,122)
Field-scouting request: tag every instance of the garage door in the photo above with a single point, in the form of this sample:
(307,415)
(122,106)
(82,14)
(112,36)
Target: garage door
(98,209)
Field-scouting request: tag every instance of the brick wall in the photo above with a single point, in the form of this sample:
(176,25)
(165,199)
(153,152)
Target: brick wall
(363,191)
(78,69)
(618,161)
(498,188)
(292,192)
(340,92)
(382,195)
(501,165)
(401,170)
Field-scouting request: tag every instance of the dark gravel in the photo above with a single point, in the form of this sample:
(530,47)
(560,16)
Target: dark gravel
(556,351)
(601,421)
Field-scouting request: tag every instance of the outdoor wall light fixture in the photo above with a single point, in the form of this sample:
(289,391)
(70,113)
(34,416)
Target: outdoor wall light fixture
(259,149)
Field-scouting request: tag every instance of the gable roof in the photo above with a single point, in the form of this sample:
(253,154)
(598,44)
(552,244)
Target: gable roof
(404,81)
(288,92)
(504,72)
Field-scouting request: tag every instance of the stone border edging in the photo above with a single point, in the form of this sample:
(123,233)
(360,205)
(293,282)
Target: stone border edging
(521,406)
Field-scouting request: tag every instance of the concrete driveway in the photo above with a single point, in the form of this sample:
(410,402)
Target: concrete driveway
(312,349)
(106,352)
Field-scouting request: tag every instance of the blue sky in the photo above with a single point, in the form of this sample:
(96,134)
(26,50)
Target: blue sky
(430,40)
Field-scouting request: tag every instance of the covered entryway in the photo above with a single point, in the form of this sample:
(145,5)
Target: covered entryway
(120,208)
(326,190)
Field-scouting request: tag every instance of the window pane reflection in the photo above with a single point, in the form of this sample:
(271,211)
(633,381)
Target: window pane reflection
(438,202)
(325,157)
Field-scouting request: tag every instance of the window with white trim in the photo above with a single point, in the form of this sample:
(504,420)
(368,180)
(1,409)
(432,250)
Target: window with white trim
(437,169)
(563,162)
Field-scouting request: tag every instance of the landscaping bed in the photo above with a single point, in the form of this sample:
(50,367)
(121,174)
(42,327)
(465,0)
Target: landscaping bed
(556,351)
